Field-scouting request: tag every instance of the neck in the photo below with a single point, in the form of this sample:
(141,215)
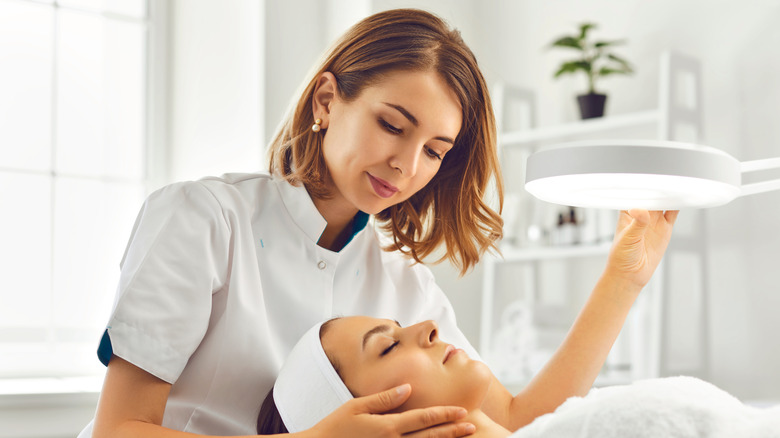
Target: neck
(486,428)
(339,215)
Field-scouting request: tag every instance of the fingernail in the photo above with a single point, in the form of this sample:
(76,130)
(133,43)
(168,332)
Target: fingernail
(403,389)
(462,413)
(470,428)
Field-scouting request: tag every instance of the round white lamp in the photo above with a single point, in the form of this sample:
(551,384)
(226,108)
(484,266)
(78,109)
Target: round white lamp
(654,175)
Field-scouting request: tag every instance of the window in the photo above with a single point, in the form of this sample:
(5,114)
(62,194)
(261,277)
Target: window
(74,139)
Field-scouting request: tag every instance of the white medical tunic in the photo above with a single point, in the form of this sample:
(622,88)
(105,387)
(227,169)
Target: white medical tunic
(221,277)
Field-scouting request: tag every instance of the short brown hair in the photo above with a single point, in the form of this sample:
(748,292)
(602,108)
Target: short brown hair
(451,208)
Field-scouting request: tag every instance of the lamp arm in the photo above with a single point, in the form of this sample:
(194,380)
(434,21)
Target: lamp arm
(766,163)
(764,186)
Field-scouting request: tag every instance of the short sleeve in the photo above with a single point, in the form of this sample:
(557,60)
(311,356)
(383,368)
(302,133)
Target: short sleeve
(175,260)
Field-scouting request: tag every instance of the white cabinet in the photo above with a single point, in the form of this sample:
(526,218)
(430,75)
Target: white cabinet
(532,294)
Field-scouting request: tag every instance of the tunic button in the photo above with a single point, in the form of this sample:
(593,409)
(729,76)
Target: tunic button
(321,264)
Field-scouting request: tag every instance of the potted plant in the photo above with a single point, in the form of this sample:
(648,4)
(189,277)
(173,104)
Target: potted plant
(596,61)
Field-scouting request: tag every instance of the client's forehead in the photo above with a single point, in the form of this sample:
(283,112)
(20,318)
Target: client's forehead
(354,327)
(346,334)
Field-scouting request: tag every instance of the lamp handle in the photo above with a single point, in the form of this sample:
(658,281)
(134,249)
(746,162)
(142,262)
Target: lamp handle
(764,186)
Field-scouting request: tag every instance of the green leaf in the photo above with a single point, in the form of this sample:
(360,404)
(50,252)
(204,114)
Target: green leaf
(568,41)
(624,64)
(584,28)
(595,60)
(572,67)
(600,44)
(606,71)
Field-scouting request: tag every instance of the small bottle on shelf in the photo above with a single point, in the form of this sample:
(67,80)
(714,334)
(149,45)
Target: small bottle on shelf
(567,230)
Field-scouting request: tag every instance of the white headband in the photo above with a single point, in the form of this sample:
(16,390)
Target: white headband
(308,389)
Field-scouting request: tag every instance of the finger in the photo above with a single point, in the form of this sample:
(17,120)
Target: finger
(624,219)
(632,224)
(382,401)
(671,216)
(445,431)
(641,217)
(420,419)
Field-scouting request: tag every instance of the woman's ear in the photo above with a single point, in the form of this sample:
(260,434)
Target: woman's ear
(324,94)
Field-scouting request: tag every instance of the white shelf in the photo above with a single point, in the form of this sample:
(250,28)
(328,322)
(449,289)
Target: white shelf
(581,127)
(529,254)
(675,117)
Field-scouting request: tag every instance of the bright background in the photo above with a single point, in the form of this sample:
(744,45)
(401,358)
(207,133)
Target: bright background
(81,144)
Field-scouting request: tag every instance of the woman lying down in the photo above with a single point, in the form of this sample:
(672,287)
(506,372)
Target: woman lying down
(357,356)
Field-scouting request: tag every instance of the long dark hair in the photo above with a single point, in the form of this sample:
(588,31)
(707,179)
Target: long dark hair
(269,422)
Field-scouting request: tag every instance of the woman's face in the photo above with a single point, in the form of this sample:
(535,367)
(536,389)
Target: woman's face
(377,354)
(389,142)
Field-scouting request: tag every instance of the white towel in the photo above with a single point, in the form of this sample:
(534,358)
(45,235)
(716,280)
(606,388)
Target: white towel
(308,388)
(668,407)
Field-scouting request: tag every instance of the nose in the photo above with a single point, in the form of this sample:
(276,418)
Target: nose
(406,159)
(427,333)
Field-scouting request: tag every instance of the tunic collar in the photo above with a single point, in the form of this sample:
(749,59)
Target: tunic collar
(305,214)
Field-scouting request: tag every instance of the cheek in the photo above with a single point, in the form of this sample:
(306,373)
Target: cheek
(424,176)
(427,378)
(392,372)
(347,151)
(332,147)
(428,171)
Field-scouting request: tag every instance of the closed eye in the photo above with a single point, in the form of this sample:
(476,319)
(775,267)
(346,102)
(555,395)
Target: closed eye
(431,153)
(389,349)
(390,128)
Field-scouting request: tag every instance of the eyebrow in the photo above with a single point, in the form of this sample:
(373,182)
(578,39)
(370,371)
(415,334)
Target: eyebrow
(381,328)
(414,121)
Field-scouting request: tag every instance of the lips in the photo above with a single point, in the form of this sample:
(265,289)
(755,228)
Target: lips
(382,187)
(448,352)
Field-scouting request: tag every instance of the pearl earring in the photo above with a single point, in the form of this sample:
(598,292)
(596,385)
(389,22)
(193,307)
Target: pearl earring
(316,126)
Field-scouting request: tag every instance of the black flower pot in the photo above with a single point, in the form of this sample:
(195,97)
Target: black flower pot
(592,105)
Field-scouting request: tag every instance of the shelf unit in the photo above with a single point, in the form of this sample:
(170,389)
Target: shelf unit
(588,126)
(515,254)
(677,117)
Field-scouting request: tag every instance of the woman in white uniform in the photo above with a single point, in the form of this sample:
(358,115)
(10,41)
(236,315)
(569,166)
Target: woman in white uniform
(223,275)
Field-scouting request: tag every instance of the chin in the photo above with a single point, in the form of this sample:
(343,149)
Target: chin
(467,389)
(376,205)
(470,388)
(479,383)
(372,209)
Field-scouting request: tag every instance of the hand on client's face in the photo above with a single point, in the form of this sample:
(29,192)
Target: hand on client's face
(355,418)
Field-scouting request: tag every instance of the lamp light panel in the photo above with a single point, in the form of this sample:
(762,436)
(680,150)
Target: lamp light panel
(625,174)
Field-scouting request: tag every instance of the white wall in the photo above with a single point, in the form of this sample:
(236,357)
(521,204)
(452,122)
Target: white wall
(295,35)
(216,91)
(297,32)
